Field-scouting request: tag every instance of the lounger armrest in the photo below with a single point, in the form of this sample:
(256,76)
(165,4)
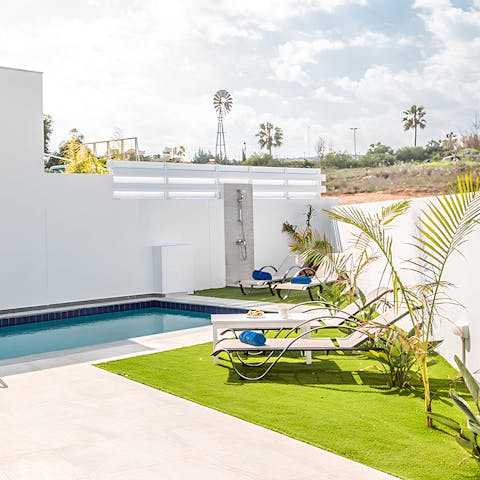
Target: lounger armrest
(306,322)
(290,270)
(229,330)
(268,266)
(322,305)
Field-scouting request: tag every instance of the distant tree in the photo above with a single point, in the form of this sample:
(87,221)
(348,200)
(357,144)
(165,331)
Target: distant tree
(47,132)
(378,155)
(321,148)
(263,160)
(379,148)
(471,138)
(269,136)
(414,117)
(82,160)
(410,154)
(450,143)
(434,149)
(339,160)
(130,154)
(305,163)
(202,157)
(73,135)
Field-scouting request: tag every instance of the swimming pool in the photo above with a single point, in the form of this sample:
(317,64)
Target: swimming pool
(49,336)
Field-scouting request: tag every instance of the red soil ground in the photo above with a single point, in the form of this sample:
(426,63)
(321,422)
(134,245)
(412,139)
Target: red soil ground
(393,194)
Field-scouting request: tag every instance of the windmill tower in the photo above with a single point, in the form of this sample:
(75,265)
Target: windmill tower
(222,103)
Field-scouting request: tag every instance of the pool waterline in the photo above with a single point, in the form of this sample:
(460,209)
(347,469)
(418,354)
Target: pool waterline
(55,335)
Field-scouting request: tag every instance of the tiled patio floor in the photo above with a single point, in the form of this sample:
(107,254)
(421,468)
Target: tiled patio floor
(75,421)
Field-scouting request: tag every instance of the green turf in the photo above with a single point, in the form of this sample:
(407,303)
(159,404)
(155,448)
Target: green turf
(334,404)
(258,294)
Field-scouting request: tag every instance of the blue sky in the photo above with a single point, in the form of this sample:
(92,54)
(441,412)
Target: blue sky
(151,68)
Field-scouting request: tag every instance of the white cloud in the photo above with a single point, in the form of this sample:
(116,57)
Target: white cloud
(293,55)
(369,39)
(152,67)
(446,83)
(249,92)
(321,93)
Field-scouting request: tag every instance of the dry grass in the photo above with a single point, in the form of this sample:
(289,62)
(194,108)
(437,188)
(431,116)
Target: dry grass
(429,178)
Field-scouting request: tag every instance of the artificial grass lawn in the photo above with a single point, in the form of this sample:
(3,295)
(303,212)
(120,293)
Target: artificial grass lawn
(258,294)
(334,404)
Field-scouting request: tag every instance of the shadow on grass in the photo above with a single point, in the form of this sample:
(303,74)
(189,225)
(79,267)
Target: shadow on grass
(328,373)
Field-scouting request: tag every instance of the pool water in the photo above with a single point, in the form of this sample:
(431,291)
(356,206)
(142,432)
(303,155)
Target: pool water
(34,338)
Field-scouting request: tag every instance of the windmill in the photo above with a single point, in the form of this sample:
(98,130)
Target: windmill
(222,103)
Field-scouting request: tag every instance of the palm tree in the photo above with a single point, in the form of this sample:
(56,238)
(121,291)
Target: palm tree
(443,227)
(414,118)
(269,136)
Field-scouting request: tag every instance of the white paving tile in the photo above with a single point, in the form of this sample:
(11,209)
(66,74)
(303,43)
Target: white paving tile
(79,422)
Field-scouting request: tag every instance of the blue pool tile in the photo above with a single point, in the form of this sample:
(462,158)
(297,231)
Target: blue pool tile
(122,307)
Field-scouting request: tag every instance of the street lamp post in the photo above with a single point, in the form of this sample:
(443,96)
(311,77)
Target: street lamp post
(308,141)
(355,140)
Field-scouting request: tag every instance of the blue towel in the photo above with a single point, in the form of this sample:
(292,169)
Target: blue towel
(252,338)
(303,279)
(261,275)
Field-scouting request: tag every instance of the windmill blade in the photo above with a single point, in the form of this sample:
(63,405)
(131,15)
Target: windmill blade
(222,102)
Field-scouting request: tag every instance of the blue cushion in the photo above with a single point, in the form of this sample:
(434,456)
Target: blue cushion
(303,279)
(252,338)
(261,275)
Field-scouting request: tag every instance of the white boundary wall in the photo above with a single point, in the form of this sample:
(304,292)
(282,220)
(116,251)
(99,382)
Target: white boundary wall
(65,238)
(188,180)
(462,272)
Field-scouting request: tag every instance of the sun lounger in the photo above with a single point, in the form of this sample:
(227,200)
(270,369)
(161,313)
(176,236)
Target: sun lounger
(319,278)
(289,267)
(326,314)
(356,341)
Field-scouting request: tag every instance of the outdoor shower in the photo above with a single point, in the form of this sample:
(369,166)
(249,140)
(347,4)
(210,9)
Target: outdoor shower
(241,242)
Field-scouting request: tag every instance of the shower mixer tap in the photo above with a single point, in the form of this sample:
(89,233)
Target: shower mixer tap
(241,242)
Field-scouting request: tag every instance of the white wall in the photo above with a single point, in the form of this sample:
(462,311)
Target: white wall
(64,238)
(462,272)
(271,246)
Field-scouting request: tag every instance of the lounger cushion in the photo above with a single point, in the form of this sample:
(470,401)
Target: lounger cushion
(252,338)
(261,275)
(303,279)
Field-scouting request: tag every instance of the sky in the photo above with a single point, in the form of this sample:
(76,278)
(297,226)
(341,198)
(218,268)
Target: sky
(315,68)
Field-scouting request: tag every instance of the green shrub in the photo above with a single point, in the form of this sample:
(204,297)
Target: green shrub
(339,160)
(371,160)
(410,154)
(262,160)
(396,357)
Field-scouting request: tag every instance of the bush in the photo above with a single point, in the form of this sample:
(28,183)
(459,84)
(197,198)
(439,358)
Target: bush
(377,160)
(434,149)
(339,160)
(410,154)
(262,160)
(202,156)
(380,148)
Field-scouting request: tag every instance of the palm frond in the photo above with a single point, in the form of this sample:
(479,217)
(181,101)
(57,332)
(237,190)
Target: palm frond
(442,228)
